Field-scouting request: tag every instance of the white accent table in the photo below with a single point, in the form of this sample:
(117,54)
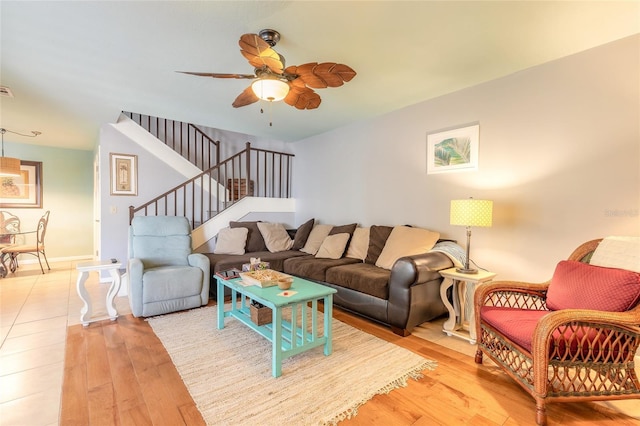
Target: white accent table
(98,266)
(461,321)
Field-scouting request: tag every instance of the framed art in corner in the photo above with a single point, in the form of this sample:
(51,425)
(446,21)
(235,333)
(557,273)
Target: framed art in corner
(453,150)
(24,191)
(124,174)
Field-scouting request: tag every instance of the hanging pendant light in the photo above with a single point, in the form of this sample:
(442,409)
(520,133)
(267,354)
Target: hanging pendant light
(9,166)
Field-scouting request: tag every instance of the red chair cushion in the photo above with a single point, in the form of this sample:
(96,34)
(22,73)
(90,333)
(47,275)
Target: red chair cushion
(517,325)
(578,285)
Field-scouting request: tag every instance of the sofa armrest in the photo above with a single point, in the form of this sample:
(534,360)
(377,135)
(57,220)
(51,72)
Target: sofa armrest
(201,261)
(419,270)
(135,268)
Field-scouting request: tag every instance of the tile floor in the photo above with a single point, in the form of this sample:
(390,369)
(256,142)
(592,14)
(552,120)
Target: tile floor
(35,311)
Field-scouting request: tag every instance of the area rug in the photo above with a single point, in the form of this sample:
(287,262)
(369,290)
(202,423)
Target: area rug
(228,372)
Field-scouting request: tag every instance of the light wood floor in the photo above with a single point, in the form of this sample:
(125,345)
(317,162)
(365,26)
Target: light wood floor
(119,373)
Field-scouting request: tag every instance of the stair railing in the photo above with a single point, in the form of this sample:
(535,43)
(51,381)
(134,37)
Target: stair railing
(184,138)
(251,172)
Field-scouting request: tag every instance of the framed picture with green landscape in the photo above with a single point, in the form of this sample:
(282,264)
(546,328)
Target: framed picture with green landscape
(25,190)
(453,150)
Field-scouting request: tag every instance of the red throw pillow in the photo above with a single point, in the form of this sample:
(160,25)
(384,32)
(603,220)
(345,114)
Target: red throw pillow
(578,285)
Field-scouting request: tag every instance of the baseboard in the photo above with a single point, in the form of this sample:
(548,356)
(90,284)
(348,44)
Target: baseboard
(28,260)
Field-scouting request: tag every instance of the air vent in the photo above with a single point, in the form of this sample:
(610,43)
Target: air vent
(5,91)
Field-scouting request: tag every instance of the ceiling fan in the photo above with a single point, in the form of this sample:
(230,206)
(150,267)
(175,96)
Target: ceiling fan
(274,82)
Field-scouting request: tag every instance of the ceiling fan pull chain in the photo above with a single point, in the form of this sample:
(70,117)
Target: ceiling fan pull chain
(270,113)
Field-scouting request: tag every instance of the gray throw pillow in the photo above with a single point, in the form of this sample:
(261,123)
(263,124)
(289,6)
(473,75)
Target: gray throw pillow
(377,238)
(255,242)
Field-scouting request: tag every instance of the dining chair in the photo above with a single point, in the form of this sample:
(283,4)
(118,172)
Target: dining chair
(37,249)
(9,227)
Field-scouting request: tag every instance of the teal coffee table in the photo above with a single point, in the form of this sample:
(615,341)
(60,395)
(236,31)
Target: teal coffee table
(287,337)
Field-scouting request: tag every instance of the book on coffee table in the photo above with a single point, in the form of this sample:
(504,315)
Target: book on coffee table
(229,274)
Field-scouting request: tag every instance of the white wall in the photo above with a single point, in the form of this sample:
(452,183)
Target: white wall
(154,178)
(559,156)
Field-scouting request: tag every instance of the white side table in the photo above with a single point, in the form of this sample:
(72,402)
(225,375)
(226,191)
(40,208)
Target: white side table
(84,269)
(461,321)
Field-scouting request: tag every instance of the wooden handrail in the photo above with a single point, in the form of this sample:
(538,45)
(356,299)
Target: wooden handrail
(251,172)
(184,138)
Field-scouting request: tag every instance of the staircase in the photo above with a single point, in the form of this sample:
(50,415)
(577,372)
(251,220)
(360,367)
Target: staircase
(184,138)
(221,184)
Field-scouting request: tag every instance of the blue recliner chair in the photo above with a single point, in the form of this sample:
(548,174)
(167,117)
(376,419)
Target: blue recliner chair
(164,275)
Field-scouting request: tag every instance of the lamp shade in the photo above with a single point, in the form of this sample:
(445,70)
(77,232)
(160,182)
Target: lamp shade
(471,212)
(270,89)
(9,166)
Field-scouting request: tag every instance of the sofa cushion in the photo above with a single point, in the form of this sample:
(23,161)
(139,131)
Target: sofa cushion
(333,246)
(170,282)
(302,234)
(316,237)
(310,267)
(359,244)
(579,285)
(231,241)
(158,251)
(362,277)
(406,241)
(344,229)
(255,242)
(275,236)
(377,238)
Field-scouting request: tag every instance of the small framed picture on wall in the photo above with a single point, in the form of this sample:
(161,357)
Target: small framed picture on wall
(453,150)
(124,174)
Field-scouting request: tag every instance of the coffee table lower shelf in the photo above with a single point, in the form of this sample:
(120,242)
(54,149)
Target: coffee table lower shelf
(287,337)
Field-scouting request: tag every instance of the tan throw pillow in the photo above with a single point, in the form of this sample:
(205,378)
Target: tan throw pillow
(231,241)
(406,241)
(333,246)
(275,236)
(316,237)
(359,244)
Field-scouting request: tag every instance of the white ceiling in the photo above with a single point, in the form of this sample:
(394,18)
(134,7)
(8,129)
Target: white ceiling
(75,65)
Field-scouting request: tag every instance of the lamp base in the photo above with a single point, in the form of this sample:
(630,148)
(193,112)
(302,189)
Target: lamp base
(467,270)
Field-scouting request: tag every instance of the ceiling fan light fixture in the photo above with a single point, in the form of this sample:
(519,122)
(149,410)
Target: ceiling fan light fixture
(270,89)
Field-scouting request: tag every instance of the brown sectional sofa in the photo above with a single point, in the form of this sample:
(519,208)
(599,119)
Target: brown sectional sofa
(401,297)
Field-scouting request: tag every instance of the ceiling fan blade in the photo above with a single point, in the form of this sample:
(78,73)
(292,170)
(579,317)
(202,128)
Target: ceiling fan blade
(259,53)
(302,97)
(325,74)
(245,98)
(219,75)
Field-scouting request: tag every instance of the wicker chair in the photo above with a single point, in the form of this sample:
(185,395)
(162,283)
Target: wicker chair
(570,355)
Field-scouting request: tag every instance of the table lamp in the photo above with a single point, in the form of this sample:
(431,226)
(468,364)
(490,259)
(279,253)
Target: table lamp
(470,213)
